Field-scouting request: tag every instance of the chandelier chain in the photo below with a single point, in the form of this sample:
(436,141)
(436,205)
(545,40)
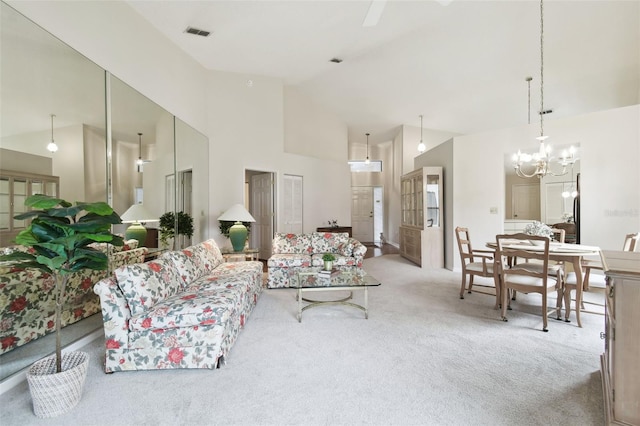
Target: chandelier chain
(541,69)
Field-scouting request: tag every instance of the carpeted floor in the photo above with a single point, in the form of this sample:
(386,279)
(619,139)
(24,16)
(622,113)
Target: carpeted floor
(424,357)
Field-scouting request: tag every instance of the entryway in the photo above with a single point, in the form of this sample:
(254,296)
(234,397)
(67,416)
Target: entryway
(367,213)
(260,194)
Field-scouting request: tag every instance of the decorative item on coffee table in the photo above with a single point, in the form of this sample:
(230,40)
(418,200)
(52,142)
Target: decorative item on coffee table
(59,238)
(328,259)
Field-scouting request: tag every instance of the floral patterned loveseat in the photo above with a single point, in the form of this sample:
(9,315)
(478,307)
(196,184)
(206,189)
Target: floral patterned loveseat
(292,251)
(183,310)
(27,302)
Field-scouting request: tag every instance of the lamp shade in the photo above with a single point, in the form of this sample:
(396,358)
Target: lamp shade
(237,213)
(134,215)
(238,232)
(137,213)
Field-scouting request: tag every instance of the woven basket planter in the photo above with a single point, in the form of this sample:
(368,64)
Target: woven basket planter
(56,393)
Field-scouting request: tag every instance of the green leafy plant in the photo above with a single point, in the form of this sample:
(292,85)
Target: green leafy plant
(226,224)
(168,224)
(328,257)
(59,238)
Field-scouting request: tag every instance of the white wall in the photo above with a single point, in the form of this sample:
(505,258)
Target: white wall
(610,176)
(245,125)
(311,130)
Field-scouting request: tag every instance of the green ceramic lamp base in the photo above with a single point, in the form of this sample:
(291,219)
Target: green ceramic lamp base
(137,232)
(238,236)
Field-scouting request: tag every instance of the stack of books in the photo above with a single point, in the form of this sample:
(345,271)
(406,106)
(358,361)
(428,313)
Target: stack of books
(328,274)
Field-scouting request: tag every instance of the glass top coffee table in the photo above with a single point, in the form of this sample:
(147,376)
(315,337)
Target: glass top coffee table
(310,279)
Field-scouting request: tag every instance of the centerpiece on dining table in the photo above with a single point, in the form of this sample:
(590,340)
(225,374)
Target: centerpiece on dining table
(539,229)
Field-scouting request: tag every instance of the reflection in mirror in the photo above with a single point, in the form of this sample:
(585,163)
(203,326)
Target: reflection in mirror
(41,76)
(549,199)
(140,130)
(192,191)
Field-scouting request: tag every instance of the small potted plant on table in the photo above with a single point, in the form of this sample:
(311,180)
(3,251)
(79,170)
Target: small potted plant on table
(328,259)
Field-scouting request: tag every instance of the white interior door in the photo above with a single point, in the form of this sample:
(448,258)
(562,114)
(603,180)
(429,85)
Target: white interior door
(362,213)
(292,204)
(261,208)
(526,202)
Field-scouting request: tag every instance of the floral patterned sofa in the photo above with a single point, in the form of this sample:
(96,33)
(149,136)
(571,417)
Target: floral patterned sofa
(183,310)
(27,302)
(292,251)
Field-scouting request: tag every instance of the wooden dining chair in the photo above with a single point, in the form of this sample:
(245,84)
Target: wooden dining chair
(529,276)
(475,263)
(631,243)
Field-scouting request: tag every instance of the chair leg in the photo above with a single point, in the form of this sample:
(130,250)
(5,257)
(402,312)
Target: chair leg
(585,279)
(503,311)
(470,282)
(560,294)
(544,312)
(567,302)
(464,284)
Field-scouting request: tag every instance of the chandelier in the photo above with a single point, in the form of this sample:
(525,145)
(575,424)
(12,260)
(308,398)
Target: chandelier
(541,160)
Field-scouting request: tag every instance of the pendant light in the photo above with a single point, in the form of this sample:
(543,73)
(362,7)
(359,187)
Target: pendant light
(421,147)
(139,162)
(541,160)
(367,160)
(52,147)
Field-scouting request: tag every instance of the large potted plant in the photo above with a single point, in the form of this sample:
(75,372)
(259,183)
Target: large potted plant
(168,226)
(59,239)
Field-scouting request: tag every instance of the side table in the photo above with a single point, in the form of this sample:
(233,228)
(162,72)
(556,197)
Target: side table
(240,256)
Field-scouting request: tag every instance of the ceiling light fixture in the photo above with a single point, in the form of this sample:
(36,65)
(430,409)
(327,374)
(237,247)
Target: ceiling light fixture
(52,147)
(541,160)
(421,147)
(139,162)
(367,159)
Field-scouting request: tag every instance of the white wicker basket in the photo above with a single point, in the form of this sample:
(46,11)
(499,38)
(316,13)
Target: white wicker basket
(56,393)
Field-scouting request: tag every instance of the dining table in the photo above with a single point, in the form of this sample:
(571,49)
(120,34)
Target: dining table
(562,252)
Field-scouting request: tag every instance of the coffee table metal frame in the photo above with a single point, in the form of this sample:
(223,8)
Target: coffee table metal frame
(310,280)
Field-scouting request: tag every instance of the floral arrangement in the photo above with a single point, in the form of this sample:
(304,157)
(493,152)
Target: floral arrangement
(538,228)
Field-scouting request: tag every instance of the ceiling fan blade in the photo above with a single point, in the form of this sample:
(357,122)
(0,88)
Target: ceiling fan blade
(373,14)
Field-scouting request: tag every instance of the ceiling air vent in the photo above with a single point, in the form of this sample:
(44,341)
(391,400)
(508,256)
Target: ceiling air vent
(197,32)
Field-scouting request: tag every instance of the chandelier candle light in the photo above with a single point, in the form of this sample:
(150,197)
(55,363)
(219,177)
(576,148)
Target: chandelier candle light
(541,160)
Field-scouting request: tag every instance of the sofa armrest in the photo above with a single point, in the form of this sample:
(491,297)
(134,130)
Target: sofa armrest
(115,313)
(359,250)
(127,257)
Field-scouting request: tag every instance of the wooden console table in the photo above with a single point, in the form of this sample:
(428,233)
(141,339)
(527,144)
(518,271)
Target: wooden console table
(347,229)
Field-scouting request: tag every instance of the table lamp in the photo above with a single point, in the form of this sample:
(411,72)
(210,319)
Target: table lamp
(135,215)
(238,232)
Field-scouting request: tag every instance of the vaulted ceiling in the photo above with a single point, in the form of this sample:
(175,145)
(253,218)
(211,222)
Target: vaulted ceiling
(462,64)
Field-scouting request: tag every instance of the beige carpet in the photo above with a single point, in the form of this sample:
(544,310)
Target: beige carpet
(424,357)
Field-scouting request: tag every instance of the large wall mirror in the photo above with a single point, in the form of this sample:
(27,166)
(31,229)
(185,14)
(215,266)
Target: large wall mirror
(551,199)
(41,76)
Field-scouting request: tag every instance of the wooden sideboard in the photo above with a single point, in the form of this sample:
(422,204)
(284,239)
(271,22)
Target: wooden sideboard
(347,229)
(620,362)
